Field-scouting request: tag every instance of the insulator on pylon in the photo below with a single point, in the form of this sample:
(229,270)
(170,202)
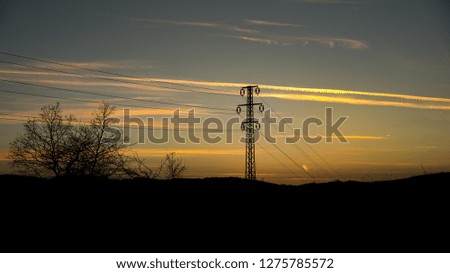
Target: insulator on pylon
(238,110)
(258,126)
(261,108)
(242,91)
(257,90)
(243,125)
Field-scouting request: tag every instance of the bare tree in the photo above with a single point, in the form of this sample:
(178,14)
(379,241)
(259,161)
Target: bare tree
(53,145)
(41,150)
(174,167)
(138,169)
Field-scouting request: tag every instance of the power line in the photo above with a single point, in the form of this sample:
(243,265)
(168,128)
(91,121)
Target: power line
(274,157)
(285,154)
(316,164)
(70,99)
(120,104)
(113,79)
(112,96)
(309,146)
(121,126)
(99,71)
(80,100)
(222,92)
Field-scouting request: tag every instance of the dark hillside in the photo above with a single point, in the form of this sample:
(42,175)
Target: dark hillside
(223,214)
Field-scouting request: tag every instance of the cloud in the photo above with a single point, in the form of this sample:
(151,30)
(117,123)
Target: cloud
(282,137)
(305,41)
(136,83)
(4,153)
(326,1)
(427,147)
(116,87)
(305,167)
(197,24)
(330,42)
(34,73)
(354,101)
(93,65)
(359,137)
(333,42)
(258,40)
(97,65)
(270,23)
(145,113)
(398,164)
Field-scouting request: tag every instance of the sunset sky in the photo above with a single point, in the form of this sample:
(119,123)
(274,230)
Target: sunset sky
(383,64)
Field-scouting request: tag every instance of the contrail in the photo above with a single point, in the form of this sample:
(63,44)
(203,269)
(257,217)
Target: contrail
(334,99)
(322,91)
(353,92)
(307,90)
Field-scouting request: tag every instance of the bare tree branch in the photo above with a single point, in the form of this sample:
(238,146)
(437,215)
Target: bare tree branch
(174,167)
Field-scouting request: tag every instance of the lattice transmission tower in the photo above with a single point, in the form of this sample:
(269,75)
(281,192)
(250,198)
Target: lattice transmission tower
(250,126)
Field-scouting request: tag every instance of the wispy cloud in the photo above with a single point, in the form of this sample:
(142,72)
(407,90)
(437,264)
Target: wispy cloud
(427,147)
(282,136)
(334,42)
(96,83)
(358,137)
(122,64)
(32,73)
(94,65)
(330,42)
(99,65)
(326,1)
(197,24)
(271,23)
(259,40)
(119,64)
(255,36)
(354,101)
(144,113)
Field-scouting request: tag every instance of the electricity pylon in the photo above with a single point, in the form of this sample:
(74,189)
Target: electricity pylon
(250,126)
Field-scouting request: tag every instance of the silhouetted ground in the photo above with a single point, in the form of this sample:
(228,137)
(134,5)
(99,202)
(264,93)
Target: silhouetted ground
(223,215)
